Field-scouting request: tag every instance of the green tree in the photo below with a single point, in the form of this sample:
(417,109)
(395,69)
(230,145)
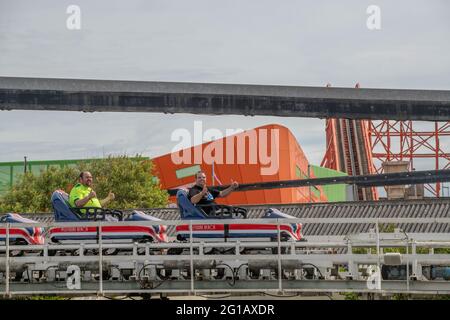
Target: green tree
(130,179)
(32,192)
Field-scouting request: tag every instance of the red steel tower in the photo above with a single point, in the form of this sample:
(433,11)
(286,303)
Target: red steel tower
(422,144)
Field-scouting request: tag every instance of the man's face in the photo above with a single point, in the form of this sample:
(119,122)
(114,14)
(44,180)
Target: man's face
(200,179)
(86,179)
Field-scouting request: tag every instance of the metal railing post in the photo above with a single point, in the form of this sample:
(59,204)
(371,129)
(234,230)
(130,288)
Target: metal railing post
(280,285)
(100,255)
(191,251)
(378,253)
(7,292)
(407,264)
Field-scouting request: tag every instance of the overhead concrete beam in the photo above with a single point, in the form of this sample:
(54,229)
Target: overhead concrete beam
(219,99)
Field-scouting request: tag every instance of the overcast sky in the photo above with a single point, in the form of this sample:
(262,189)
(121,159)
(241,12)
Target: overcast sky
(307,43)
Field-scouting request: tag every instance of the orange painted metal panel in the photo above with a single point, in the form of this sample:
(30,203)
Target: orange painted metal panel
(290,156)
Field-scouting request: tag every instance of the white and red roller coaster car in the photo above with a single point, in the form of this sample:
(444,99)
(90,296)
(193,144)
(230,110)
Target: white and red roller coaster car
(233,231)
(20,235)
(116,234)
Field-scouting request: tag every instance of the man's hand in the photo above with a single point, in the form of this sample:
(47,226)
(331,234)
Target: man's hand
(196,198)
(233,186)
(82,202)
(111,196)
(92,194)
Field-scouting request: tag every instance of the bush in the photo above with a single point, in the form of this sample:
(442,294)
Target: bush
(350,295)
(130,179)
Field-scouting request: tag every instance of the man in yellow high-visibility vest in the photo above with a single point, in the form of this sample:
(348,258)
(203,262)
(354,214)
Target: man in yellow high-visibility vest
(82,194)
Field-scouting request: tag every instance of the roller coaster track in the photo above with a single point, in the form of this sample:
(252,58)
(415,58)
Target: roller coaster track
(333,230)
(146,268)
(362,181)
(349,150)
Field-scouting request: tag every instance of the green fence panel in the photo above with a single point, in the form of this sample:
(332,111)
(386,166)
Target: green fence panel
(334,192)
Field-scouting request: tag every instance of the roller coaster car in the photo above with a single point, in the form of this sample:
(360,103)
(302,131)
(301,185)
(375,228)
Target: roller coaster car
(232,232)
(23,235)
(64,213)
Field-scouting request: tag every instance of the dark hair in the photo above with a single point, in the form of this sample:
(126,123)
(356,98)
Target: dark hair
(82,174)
(198,172)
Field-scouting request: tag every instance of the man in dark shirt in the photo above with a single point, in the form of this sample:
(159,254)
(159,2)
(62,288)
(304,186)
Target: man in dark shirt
(201,195)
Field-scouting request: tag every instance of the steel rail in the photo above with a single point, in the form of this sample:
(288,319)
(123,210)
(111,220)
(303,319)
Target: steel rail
(371,180)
